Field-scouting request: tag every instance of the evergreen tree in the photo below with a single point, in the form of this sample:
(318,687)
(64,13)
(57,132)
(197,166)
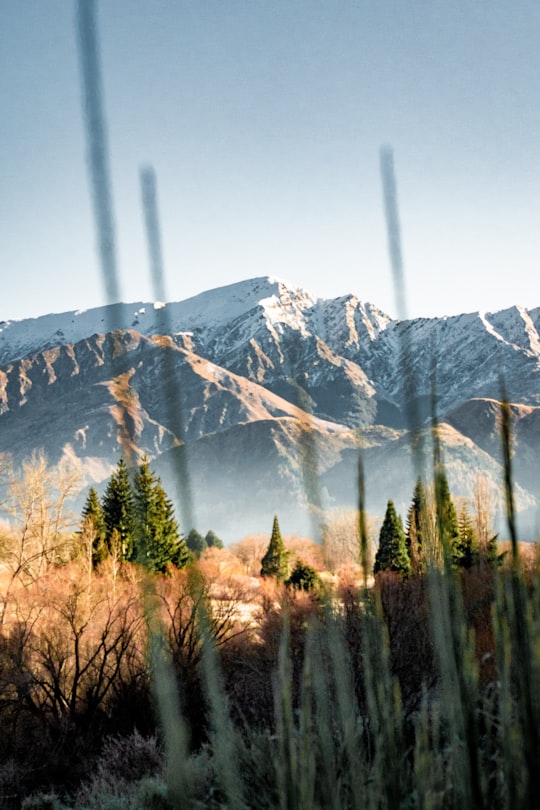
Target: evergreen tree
(392,552)
(196,542)
(447,518)
(93,524)
(303,577)
(417,524)
(157,540)
(466,548)
(118,510)
(212,540)
(275,562)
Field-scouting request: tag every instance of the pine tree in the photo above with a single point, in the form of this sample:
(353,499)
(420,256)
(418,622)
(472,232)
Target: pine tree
(392,552)
(93,525)
(447,518)
(417,524)
(118,510)
(275,562)
(157,537)
(303,577)
(466,548)
(196,542)
(212,540)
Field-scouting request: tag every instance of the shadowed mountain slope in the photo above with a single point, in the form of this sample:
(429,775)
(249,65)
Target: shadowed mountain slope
(234,374)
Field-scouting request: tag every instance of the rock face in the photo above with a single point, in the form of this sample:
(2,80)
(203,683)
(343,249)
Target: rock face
(264,394)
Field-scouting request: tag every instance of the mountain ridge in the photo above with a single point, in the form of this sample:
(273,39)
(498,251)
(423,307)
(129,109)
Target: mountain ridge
(238,360)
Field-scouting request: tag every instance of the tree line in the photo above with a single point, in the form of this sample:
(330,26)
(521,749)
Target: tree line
(134,521)
(433,530)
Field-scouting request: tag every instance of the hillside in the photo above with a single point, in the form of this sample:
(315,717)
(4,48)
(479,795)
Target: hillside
(266,390)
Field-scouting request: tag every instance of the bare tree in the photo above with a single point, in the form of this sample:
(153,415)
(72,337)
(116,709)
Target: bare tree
(482,504)
(341,539)
(79,646)
(39,521)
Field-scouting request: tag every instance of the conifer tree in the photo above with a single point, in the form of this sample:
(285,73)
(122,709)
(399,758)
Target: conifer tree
(303,577)
(93,523)
(118,510)
(417,524)
(275,562)
(466,548)
(392,552)
(157,540)
(447,518)
(196,542)
(212,540)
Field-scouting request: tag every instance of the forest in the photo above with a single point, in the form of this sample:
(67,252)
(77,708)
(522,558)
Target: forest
(390,666)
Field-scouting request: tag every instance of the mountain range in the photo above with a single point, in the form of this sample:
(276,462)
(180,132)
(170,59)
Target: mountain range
(256,398)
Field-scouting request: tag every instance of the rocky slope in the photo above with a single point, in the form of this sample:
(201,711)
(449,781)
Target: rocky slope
(268,392)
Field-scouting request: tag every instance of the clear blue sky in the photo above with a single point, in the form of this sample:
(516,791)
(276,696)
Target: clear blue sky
(263,120)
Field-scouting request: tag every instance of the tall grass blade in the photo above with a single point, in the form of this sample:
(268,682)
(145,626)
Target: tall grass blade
(98,164)
(171,391)
(506,440)
(165,689)
(97,145)
(407,370)
(223,735)
(362,527)
(347,717)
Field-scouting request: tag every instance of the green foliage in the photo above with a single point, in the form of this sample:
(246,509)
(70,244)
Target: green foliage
(212,540)
(135,522)
(93,523)
(447,519)
(275,562)
(196,542)
(417,524)
(466,548)
(157,541)
(304,577)
(392,553)
(118,511)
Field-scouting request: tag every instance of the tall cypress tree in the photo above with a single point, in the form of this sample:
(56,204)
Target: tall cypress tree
(157,537)
(275,562)
(392,552)
(93,523)
(118,510)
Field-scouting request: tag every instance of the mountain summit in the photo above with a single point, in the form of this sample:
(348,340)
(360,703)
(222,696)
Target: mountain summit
(241,379)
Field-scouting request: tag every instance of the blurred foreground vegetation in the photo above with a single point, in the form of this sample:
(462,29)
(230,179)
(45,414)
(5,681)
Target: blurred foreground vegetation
(208,686)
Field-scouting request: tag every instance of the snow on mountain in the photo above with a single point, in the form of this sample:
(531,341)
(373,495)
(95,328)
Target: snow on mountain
(266,300)
(208,312)
(265,354)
